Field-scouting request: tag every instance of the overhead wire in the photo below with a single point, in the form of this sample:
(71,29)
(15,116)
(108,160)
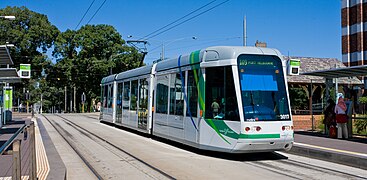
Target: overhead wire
(189,19)
(84,14)
(178,19)
(96,11)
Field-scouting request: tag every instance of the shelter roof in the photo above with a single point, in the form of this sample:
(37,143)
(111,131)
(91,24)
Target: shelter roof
(9,75)
(5,58)
(317,68)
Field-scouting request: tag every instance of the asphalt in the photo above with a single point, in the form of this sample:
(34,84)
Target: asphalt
(351,152)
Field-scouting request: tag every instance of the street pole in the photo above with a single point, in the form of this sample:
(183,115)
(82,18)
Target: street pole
(41,104)
(66,100)
(244,32)
(74,99)
(162,54)
(311,110)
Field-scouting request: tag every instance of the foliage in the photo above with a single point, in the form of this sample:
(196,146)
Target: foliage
(83,57)
(32,35)
(298,98)
(361,125)
(363,100)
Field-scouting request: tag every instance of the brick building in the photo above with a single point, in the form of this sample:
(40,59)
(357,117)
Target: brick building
(354,28)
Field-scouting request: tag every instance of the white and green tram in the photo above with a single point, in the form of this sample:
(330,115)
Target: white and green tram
(224,98)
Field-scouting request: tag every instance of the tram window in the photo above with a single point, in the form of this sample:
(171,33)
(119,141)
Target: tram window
(176,95)
(110,96)
(162,94)
(143,94)
(105,89)
(119,101)
(264,96)
(134,95)
(221,101)
(119,95)
(126,96)
(192,95)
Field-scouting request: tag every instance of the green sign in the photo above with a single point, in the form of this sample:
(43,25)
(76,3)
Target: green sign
(295,62)
(8,98)
(25,67)
(25,71)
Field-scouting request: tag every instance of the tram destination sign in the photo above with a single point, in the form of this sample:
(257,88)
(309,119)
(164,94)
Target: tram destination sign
(244,62)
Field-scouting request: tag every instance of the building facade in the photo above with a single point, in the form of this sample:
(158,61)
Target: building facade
(354,28)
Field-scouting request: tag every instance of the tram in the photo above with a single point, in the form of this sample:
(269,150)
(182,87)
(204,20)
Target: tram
(224,98)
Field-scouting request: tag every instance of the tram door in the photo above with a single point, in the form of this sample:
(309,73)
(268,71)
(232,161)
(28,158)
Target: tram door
(134,103)
(126,102)
(119,103)
(176,105)
(191,118)
(143,91)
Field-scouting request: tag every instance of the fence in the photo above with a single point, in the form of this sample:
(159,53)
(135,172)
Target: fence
(18,155)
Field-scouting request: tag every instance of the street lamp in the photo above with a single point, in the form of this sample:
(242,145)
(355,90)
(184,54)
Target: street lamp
(8,17)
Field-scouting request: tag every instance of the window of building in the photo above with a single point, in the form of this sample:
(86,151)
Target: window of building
(220,94)
(162,94)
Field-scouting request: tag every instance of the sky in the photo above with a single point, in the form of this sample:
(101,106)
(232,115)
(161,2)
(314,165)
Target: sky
(307,28)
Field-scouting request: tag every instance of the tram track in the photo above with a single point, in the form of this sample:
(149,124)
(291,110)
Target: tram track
(58,128)
(291,168)
(285,167)
(112,148)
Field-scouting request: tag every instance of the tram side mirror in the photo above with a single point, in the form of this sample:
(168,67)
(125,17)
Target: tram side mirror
(293,66)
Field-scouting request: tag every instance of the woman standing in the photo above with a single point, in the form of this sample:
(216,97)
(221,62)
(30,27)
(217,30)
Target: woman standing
(341,118)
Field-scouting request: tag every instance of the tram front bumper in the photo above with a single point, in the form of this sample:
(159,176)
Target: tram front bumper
(263,145)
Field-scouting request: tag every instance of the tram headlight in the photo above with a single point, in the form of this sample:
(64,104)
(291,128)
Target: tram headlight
(247,129)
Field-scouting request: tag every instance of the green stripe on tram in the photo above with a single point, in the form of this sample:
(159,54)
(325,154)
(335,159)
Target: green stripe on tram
(259,136)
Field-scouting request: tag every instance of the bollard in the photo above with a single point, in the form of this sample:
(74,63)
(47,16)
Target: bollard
(16,160)
(32,144)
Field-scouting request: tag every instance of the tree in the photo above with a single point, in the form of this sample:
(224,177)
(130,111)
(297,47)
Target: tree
(298,98)
(87,55)
(32,34)
(363,100)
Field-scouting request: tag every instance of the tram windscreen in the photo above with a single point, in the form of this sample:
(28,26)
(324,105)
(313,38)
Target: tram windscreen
(264,96)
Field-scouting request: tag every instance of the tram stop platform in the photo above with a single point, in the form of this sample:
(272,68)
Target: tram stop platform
(48,162)
(351,152)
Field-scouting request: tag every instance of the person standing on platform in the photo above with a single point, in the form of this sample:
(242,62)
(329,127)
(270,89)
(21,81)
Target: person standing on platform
(341,118)
(329,115)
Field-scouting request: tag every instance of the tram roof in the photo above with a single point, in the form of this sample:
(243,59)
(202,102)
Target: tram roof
(340,72)
(216,53)
(108,79)
(134,72)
